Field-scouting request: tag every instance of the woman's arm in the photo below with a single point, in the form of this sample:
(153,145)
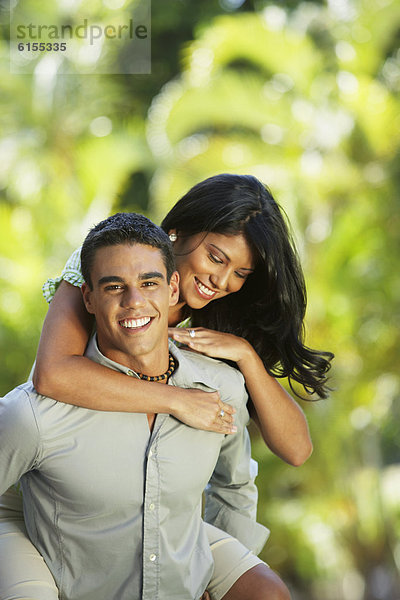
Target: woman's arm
(62,372)
(280,419)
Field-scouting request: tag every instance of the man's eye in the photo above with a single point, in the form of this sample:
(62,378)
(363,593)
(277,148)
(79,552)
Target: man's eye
(116,286)
(149,283)
(215,259)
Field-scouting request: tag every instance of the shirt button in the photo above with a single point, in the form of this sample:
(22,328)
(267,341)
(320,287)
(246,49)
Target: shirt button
(151,506)
(152,557)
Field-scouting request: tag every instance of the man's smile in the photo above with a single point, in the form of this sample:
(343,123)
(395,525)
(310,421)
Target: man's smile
(136,324)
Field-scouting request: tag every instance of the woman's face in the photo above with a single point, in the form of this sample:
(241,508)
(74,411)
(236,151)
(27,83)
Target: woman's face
(211,265)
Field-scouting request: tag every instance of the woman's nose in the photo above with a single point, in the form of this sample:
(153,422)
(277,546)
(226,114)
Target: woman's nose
(220,280)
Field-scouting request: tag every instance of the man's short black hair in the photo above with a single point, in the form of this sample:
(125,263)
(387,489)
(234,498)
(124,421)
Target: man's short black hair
(125,228)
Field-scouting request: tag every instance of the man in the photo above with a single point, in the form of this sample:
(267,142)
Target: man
(113,500)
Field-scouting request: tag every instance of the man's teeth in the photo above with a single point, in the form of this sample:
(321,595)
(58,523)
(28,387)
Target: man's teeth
(132,323)
(205,289)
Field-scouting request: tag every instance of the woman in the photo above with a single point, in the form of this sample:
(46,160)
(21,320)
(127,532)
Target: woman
(239,277)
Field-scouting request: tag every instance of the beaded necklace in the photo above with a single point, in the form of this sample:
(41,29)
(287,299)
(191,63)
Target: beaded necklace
(166,375)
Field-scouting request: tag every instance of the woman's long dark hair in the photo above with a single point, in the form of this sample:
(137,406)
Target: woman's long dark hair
(269,309)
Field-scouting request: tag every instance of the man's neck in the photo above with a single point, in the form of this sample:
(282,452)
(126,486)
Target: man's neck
(176,314)
(152,364)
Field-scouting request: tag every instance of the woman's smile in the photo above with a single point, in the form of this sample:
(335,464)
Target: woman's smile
(203,290)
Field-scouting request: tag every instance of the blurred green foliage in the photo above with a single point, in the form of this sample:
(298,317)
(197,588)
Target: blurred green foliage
(307,99)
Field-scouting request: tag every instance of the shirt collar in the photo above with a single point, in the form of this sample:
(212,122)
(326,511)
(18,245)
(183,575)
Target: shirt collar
(191,368)
(189,371)
(93,352)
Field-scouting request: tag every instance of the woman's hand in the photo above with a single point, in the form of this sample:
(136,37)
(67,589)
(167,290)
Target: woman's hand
(281,421)
(211,343)
(203,410)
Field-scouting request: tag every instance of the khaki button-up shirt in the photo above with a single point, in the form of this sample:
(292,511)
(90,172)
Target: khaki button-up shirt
(115,509)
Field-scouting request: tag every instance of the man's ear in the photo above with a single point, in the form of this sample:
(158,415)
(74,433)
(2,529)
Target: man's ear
(87,298)
(174,288)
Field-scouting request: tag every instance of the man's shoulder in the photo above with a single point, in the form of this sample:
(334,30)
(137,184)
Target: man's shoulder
(215,373)
(19,396)
(17,408)
(24,402)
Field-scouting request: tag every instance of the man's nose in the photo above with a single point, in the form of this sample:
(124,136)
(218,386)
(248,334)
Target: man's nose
(132,298)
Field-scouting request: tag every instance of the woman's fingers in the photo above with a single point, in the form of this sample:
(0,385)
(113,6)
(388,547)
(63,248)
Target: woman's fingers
(187,332)
(205,410)
(196,339)
(223,417)
(209,342)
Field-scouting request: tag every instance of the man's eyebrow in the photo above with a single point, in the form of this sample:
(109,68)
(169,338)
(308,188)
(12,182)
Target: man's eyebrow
(227,257)
(109,279)
(151,275)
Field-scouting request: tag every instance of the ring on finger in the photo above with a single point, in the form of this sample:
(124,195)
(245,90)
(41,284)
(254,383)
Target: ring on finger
(192,333)
(221,413)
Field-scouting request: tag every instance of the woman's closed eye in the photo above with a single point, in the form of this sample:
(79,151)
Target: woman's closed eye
(219,261)
(241,275)
(215,259)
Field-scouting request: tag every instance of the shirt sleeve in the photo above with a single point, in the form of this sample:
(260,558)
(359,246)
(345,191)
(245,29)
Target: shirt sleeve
(231,495)
(19,435)
(71,273)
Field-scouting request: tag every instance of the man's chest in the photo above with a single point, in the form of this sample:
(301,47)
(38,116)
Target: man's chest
(105,461)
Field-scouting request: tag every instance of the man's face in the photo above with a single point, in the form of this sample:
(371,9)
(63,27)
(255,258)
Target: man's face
(130,300)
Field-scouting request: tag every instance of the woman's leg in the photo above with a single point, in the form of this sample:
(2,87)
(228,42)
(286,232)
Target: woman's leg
(23,572)
(238,573)
(259,583)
